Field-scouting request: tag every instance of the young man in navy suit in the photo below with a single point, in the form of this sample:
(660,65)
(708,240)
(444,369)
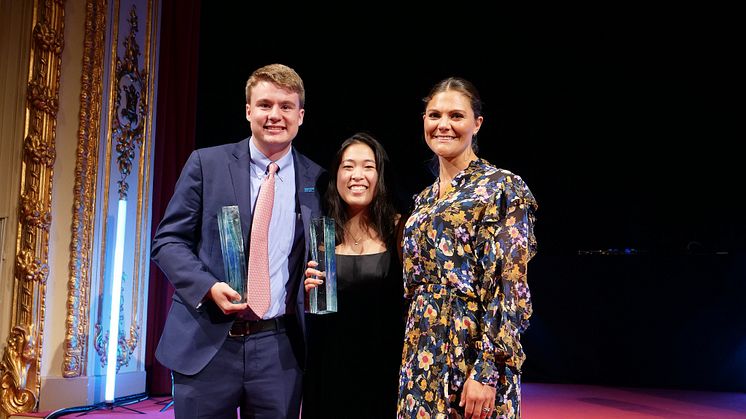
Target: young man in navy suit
(224,355)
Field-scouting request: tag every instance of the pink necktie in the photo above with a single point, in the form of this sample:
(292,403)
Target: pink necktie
(259,291)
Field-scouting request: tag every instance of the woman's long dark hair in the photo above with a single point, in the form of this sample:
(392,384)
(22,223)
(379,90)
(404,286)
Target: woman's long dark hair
(381,212)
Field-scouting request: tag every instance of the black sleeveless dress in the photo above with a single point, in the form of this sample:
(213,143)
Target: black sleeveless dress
(354,354)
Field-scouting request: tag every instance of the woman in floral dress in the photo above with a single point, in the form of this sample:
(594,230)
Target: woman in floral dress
(466,247)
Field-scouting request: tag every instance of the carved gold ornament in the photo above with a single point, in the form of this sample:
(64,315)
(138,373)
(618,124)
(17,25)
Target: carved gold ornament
(21,359)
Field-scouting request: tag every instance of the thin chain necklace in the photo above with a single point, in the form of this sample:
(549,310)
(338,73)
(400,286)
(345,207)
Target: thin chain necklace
(357,241)
(354,240)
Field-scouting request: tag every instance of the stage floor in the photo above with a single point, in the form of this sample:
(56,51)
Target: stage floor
(553,401)
(560,401)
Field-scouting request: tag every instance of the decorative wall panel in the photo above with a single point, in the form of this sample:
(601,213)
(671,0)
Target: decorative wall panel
(20,364)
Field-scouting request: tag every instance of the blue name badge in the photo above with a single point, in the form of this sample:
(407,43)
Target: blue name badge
(309,189)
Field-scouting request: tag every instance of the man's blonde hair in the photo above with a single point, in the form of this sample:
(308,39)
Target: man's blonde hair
(280,75)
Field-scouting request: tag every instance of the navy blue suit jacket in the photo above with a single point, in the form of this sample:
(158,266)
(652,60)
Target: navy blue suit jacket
(186,247)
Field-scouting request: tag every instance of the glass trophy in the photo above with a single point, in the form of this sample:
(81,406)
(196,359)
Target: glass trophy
(231,243)
(323,299)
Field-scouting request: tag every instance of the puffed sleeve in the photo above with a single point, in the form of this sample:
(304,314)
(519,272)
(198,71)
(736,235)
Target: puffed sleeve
(409,241)
(505,244)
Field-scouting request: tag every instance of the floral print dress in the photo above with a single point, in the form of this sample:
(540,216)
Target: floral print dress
(465,258)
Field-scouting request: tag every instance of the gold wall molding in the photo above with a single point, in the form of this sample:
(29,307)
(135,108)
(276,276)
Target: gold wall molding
(130,105)
(20,365)
(129,114)
(126,345)
(17,358)
(113,159)
(84,192)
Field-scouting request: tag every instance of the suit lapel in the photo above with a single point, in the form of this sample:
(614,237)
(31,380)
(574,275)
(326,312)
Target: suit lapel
(240,170)
(306,193)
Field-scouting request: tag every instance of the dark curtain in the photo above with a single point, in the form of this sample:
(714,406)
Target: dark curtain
(174,141)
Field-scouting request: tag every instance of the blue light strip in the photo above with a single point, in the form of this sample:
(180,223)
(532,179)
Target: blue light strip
(116,295)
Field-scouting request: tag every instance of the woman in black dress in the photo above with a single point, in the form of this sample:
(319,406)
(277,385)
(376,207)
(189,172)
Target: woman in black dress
(354,354)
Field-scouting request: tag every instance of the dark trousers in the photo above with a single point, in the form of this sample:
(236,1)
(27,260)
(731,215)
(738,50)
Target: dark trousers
(259,374)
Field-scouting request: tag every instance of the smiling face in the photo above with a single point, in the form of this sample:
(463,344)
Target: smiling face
(274,114)
(449,125)
(357,177)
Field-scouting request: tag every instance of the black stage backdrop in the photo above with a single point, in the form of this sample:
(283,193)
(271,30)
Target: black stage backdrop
(623,126)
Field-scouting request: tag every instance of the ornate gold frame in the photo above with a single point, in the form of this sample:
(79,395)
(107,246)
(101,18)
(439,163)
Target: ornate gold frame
(20,365)
(84,192)
(21,361)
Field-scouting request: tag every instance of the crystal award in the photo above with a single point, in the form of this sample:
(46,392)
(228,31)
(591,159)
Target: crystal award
(231,243)
(323,298)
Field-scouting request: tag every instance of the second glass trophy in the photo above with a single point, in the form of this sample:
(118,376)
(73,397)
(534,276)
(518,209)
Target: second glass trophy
(323,299)
(231,243)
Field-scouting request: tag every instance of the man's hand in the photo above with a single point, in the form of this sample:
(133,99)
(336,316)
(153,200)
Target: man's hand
(224,295)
